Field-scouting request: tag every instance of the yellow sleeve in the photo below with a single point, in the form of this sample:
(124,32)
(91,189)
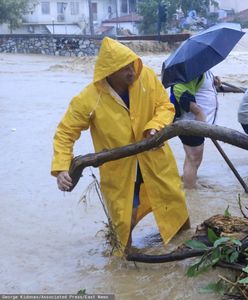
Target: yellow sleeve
(76,119)
(164,110)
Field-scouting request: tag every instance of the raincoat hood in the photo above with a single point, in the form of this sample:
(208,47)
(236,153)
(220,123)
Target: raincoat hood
(112,57)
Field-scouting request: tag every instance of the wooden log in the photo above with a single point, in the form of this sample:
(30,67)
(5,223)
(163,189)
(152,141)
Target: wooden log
(229,226)
(230,88)
(183,127)
(174,256)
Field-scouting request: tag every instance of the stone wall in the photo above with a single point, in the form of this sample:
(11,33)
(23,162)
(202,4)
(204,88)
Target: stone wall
(64,45)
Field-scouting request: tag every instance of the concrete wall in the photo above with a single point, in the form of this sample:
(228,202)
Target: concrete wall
(63,45)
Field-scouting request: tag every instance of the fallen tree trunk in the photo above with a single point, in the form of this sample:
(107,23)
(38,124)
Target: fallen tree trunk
(228,226)
(183,127)
(174,256)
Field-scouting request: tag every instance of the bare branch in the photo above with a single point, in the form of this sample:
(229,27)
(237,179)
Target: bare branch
(184,127)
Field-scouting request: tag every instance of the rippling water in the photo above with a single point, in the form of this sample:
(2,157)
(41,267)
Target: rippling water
(50,243)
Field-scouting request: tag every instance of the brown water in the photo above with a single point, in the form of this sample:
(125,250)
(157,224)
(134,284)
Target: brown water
(52,244)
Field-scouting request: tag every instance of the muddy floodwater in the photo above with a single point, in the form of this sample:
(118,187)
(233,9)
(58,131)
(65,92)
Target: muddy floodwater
(51,243)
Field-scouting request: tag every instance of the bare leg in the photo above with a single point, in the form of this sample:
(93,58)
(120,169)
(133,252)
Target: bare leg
(193,159)
(133,223)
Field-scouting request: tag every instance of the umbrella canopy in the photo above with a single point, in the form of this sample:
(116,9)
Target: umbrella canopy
(200,53)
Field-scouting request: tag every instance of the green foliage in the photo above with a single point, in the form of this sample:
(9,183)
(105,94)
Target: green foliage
(149,11)
(224,249)
(244,280)
(193,244)
(227,213)
(81,292)
(200,6)
(11,11)
(212,235)
(218,287)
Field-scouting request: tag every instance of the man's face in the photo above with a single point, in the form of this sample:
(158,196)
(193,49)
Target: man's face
(126,75)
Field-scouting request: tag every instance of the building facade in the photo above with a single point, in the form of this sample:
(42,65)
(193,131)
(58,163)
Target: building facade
(235,5)
(78,17)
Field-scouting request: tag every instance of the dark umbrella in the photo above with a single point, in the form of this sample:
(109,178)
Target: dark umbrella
(200,53)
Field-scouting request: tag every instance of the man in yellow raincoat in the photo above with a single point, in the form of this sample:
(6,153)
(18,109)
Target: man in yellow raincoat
(124,104)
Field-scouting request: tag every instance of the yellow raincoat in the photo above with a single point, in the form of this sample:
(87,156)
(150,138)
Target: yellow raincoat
(112,125)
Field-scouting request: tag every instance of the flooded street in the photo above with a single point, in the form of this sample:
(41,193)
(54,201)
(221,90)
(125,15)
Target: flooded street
(51,243)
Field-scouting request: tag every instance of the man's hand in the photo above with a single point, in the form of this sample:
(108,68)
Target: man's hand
(217,81)
(150,133)
(64,181)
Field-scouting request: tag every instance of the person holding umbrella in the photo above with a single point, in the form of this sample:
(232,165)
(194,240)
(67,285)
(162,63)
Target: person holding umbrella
(194,86)
(195,100)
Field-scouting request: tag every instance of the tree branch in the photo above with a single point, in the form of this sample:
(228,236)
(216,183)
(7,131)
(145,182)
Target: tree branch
(184,127)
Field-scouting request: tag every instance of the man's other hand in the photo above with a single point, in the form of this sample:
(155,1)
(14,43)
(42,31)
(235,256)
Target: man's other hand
(64,181)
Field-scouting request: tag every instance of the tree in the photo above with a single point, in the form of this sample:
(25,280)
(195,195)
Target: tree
(200,6)
(150,16)
(149,11)
(12,11)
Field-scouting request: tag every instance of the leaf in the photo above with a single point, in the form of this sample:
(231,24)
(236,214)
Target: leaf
(193,244)
(214,261)
(245,269)
(81,292)
(220,241)
(215,256)
(199,267)
(243,281)
(212,235)
(234,257)
(216,253)
(193,270)
(217,287)
(227,213)
(236,242)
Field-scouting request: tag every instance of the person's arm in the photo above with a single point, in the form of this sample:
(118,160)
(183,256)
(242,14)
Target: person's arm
(196,110)
(164,111)
(68,131)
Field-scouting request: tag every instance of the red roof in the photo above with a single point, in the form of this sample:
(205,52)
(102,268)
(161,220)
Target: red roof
(126,18)
(102,29)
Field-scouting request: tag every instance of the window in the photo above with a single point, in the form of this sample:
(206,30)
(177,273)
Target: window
(132,6)
(60,7)
(74,8)
(94,11)
(45,8)
(124,6)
